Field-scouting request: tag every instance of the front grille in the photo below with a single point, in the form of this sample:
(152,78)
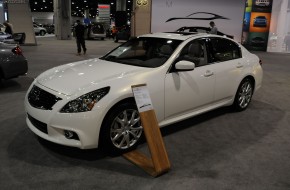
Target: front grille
(38,124)
(41,99)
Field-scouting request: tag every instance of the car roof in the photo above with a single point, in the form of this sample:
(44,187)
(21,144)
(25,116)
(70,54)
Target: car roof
(176,35)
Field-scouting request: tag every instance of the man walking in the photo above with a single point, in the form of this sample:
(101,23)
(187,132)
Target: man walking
(287,42)
(79,33)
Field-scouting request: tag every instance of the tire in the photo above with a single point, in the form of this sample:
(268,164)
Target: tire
(121,130)
(1,79)
(42,33)
(244,95)
(102,38)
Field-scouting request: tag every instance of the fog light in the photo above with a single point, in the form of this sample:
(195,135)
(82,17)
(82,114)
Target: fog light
(68,134)
(71,135)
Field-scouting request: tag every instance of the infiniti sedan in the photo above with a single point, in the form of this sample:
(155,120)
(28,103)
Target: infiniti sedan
(90,103)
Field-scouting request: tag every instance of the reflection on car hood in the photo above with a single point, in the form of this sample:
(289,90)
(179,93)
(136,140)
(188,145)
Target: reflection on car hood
(71,78)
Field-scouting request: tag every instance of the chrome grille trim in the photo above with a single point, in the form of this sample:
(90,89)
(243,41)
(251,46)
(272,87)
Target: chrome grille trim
(42,99)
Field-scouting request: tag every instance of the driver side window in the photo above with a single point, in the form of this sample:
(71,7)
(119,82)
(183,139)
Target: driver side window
(195,51)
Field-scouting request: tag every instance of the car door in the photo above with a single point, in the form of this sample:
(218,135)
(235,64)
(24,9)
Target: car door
(226,59)
(186,91)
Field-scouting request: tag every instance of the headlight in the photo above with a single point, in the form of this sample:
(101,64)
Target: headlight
(85,102)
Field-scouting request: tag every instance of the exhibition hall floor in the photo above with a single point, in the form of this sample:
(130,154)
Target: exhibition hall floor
(215,151)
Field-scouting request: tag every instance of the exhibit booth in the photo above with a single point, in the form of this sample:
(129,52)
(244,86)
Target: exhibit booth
(258,25)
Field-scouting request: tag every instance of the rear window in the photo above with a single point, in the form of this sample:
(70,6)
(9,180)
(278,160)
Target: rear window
(224,50)
(98,28)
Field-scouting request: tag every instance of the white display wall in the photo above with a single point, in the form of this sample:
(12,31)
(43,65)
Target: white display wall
(280,26)
(162,10)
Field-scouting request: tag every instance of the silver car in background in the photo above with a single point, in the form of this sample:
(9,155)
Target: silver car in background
(12,61)
(4,36)
(38,30)
(96,30)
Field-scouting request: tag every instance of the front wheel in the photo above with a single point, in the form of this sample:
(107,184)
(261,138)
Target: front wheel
(121,130)
(244,95)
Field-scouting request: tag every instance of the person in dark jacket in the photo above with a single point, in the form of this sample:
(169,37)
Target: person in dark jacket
(8,28)
(79,34)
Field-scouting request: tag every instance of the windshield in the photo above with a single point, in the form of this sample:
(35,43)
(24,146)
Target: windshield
(143,52)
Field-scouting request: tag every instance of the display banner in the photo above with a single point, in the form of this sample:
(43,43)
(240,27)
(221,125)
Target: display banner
(170,15)
(256,24)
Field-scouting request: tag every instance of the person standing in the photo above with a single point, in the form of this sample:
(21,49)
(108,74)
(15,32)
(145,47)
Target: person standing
(287,42)
(80,33)
(8,28)
(213,28)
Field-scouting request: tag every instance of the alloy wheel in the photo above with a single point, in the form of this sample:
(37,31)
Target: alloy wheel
(126,129)
(245,94)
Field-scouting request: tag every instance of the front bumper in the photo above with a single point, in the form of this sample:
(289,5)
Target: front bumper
(51,124)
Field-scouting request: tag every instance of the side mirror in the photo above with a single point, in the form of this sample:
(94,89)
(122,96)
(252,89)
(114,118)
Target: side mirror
(184,66)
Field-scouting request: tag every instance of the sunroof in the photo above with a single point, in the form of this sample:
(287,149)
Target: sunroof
(183,33)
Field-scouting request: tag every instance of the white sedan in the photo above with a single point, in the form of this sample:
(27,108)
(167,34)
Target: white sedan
(90,104)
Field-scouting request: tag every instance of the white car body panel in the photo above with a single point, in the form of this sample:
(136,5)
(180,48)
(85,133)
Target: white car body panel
(175,96)
(85,74)
(189,87)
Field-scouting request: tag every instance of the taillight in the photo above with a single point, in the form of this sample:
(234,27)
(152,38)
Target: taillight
(260,61)
(17,50)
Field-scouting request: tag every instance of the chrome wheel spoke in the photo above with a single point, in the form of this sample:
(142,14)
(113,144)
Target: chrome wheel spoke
(117,136)
(242,101)
(134,120)
(125,119)
(121,144)
(116,130)
(120,121)
(134,135)
(127,137)
(140,128)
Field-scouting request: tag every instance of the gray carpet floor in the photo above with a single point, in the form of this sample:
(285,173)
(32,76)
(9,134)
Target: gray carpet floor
(219,150)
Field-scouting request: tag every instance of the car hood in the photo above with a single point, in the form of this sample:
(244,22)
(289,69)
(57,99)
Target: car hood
(70,78)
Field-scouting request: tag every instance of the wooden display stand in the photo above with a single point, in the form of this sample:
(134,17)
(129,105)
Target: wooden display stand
(159,162)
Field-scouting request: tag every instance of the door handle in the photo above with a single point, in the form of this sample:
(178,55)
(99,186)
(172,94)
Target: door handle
(240,65)
(208,73)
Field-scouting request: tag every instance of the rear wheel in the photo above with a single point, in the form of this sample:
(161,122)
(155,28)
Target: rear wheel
(244,95)
(42,33)
(121,130)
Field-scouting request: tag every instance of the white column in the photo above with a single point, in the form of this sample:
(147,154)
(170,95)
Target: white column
(141,17)
(120,5)
(1,11)
(62,17)
(20,17)
(278,24)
